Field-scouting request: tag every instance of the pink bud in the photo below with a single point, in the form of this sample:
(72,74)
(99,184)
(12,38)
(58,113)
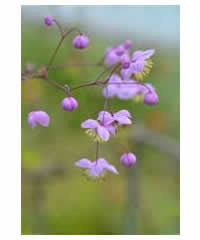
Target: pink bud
(125,61)
(80,41)
(151,98)
(128,159)
(69,104)
(127,44)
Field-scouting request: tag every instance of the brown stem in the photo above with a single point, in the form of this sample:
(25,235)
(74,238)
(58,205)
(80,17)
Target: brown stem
(63,36)
(59,27)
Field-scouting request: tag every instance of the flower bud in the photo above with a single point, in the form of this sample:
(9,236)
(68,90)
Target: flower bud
(69,104)
(151,98)
(125,61)
(48,20)
(80,41)
(128,159)
(127,44)
(119,51)
(40,117)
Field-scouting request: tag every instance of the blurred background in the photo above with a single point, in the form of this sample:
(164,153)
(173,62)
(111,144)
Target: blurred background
(56,197)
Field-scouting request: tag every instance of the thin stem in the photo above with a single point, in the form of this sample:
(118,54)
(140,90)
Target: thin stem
(97,150)
(59,86)
(59,27)
(55,52)
(63,36)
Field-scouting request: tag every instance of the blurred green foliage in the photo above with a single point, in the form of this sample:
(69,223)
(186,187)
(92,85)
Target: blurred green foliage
(68,203)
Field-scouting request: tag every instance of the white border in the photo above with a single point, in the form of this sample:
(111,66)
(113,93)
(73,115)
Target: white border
(11,129)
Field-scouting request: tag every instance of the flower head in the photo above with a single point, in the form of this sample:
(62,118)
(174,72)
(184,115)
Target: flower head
(118,54)
(128,159)
(81,41)
(140,66)
(48,20)
(38,117)
(69,104)
(97,168)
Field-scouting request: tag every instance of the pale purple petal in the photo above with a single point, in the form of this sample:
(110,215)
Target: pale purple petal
(90,123)
(137,55)
(42,118)
(111,129)
(105,165)
(103,133)
(122,113)
(126,73)
(142,55)
(111,58)
(112,87)
(95,171)
(148,53)
(105,118)
(127,90)
(138,66)
(31,119)
(123,120)
(84,163)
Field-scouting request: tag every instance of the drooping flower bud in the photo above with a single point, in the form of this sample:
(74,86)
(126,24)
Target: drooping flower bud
(48,20)
(119,51)
(125,61)
(151,98)
(80,41)
(69,104)
(40,117)
(127,44)
(128,159)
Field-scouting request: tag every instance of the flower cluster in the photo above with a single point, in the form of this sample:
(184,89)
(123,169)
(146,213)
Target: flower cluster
(129,84)
(124,83)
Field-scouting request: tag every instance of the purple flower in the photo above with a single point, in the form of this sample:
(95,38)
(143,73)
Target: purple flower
(128,159)
(80,41)
(118,53)
(38,117)
(96,130)
(97,168)
(138,63)
(69,104)
(48,20)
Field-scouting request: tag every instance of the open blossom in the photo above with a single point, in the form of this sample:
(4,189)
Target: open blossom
(38,117)
(106,124)
(96,169)
(140,63)
(81,41)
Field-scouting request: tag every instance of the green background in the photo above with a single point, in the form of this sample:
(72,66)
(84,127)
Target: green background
(56,197)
